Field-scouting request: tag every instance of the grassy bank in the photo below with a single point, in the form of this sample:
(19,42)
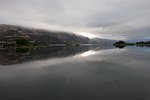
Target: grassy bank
(26,45)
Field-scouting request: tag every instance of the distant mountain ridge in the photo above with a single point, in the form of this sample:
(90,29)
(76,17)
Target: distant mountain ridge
(9,33)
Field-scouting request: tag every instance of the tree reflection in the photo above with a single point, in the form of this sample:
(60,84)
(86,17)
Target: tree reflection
(22,50)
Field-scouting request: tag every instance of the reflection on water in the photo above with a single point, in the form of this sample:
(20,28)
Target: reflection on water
(87,53)
(18,55)
(83,73)
(22,50)
(143,46)
(120,46)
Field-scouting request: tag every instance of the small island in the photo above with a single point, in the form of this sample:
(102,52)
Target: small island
(143,43)
(122,44)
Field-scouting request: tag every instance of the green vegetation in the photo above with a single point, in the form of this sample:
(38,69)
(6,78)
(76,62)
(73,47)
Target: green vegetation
(18,45)
(36,45)
(72,44)
(77,44)
(21,41)
(143,43)
(9,44)
(41,45)
(122,44)
(26,45)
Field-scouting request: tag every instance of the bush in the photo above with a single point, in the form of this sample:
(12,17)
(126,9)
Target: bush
(120,42)
(18,45)
(21,41)
(77,45)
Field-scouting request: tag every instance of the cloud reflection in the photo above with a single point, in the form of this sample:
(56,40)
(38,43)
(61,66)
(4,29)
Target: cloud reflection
(88,53)
(107,72)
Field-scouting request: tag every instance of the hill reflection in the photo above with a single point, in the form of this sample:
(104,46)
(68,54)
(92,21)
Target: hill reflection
(19,55)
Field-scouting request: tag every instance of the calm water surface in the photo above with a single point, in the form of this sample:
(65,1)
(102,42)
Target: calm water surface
(75,73)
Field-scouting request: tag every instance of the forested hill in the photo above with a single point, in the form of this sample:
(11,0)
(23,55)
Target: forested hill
(9,33)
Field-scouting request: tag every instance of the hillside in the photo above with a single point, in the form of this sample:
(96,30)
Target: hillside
(9,33)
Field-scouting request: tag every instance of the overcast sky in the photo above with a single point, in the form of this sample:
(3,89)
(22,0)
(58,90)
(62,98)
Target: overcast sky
(111,19)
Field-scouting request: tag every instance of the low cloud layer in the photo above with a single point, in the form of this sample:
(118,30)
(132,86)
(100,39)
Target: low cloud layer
(112,19)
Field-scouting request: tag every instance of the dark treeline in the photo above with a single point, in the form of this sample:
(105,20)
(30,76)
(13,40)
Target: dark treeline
(141,42)
(123,43)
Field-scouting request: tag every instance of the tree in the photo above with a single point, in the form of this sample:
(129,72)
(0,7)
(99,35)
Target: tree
(120,42)
(21,41)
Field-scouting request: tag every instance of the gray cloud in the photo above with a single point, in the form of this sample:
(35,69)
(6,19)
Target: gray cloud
(117,19)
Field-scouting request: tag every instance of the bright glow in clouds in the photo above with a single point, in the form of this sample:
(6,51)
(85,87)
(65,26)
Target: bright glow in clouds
(87,35)
(87,53)
(110,19)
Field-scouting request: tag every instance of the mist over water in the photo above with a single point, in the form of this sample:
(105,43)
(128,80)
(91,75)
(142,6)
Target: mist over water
(76,73)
